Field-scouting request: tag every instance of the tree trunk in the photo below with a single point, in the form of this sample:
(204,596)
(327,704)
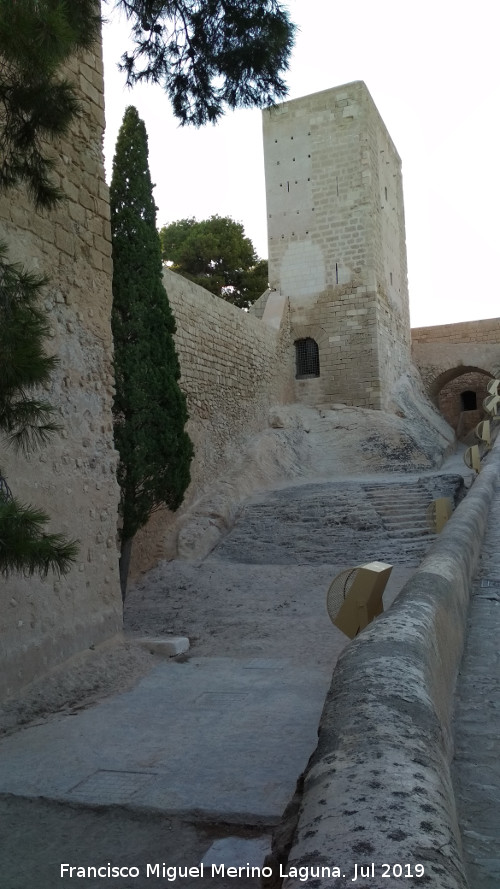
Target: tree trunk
(126,551)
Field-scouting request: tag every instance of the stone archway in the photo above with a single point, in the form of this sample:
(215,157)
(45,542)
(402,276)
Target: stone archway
(459,393)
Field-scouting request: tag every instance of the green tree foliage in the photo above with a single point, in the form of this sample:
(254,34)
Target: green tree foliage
(212,55)
(216,254)
(26,421)
(208,56)
(36,103)
(149,408)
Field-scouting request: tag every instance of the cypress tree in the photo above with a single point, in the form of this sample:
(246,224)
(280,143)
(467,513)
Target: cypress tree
(149,408)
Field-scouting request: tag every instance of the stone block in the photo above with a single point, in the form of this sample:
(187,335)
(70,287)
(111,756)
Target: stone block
(166,646)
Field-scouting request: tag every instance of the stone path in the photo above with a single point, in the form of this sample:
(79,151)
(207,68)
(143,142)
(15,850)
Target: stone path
(220,738)
(477,720)
(211,739)
(341,521)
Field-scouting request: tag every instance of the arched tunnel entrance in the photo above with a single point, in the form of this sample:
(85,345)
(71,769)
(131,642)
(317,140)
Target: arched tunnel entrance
(459,394)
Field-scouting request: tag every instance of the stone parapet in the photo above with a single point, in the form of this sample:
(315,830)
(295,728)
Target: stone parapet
(484,331)
(378,788)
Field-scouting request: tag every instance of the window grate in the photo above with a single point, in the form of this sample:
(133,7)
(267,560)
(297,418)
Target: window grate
(306,358)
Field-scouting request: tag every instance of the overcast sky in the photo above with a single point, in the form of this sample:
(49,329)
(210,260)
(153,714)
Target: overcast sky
(432,70)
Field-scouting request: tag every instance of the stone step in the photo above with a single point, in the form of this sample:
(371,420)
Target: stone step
(399,513)
(405,534)
(390,501)
(417,514)
(400,503)
(421,527)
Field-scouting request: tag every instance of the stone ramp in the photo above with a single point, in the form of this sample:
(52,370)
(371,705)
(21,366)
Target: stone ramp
(477,720)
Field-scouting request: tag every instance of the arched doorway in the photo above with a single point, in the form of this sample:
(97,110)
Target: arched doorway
(459,395)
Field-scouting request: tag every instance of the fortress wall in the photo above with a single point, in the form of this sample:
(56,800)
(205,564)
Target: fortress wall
(73,477)
(389,255)
(483,331)
(234,368)
(337,244)
(447,351)
(345,327)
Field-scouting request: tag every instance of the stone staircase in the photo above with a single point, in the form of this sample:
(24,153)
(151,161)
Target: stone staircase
(339,522)
(402,509)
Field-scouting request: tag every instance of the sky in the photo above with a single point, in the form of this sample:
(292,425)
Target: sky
(432,70)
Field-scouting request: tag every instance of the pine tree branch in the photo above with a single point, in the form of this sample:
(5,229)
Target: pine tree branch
(26,548)
(210,56)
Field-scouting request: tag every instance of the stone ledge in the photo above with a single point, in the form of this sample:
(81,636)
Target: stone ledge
(165,646)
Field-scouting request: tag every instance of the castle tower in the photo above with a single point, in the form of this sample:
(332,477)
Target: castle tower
(337,245)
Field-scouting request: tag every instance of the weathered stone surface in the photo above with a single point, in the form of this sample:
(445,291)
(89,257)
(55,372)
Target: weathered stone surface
(476,723)
(317,444)
(337,241)
(166,646)
(73,478)
(384,739)
(447,351)
(233,368)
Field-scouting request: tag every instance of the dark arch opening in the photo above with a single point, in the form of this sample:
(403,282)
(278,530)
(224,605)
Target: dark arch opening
(468,400)
(460,397)
(448,375)
(306,358)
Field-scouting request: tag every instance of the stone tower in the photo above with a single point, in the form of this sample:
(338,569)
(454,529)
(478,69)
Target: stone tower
(337,245)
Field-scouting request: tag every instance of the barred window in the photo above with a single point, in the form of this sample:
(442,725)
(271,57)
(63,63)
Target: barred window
(306,358)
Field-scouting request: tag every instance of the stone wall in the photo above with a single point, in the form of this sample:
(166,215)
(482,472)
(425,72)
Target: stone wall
(448,351)
(73,478)
(484,331)
(337,245)
(234,368)
(463,418)
(378,787)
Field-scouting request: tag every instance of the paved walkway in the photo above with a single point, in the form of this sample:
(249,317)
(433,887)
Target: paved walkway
(206,740)
(477,720)
(219,737)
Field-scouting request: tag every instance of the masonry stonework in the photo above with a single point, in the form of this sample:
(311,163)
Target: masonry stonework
(445,352)
(337,274)
(234,368)
(337,244)
(461,401)
(72,478)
